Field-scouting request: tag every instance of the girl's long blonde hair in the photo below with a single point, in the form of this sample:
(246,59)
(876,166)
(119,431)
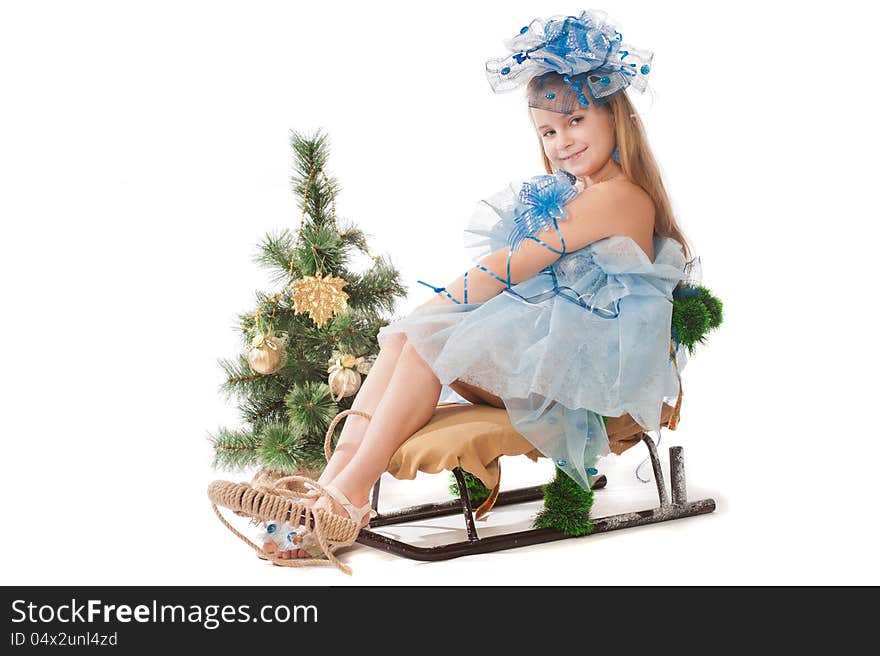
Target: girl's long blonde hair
(638,164)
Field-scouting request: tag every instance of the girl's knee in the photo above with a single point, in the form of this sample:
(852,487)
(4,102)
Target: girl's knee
(411,359)
(409,352)
(395,342)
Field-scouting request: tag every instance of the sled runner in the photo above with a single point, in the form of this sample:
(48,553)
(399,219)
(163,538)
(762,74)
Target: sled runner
(476,436)
(461,437)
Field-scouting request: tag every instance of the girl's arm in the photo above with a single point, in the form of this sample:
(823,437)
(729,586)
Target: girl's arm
(594,214)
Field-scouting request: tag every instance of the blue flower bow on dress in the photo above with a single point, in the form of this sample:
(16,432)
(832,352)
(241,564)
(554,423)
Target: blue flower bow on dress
(572,45)
(541,204)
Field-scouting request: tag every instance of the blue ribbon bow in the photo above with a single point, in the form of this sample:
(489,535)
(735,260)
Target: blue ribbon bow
(542,201)
(572,46)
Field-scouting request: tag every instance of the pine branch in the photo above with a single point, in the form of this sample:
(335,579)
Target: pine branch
(315,190)
(234,449)
(276,252)
(260,409)
(320,249)
(241,381)
(352,237)
(271,307)
(377,289)
(313,347)
(356,332)
(309,405)
(310,154)
(283,448)
(245,327)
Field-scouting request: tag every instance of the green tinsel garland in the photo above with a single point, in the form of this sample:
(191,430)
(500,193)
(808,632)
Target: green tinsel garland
(477,492)
(566,506)
(695,312)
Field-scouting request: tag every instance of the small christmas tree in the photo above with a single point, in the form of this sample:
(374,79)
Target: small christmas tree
(306,346)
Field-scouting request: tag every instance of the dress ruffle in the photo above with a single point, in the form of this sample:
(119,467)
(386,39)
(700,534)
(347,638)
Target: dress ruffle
(588,336)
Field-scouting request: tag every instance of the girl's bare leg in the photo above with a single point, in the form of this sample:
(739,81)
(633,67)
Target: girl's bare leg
(354,426)
(408,403)
(366,400)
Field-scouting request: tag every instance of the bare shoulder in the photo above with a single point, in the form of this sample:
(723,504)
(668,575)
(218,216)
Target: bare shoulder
(618,201)
(616,208)
(631,201)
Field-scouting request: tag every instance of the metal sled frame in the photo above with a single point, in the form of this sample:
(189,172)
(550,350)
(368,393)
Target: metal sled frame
(677,508)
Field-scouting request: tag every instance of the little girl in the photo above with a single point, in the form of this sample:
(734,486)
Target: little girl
(566,315)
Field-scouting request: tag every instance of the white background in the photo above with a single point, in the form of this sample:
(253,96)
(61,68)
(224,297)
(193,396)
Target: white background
(144,153)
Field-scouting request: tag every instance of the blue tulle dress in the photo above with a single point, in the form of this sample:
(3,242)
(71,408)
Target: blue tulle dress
(587,336)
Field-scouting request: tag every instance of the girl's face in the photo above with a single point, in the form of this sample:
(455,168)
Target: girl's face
(580,142)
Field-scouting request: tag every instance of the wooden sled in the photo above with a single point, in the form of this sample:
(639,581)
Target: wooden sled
(471,437)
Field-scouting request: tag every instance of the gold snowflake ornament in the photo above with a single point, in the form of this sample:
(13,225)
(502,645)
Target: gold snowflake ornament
(322,298)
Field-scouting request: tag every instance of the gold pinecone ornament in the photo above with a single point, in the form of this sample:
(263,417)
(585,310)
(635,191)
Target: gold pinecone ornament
(267,352)
(345,374)
(321,297)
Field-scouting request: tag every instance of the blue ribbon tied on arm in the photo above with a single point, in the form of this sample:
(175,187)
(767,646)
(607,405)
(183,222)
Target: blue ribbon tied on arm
(542,202)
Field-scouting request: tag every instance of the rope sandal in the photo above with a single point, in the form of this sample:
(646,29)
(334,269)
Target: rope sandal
(275,501)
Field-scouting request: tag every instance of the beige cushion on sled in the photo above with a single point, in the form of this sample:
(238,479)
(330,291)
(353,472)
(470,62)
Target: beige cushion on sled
(474,436)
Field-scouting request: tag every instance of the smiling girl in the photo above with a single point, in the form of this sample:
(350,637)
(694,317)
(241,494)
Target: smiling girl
(565,316)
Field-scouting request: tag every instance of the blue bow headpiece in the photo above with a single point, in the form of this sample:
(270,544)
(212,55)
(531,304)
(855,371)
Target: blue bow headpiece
(571,46)
(541,202)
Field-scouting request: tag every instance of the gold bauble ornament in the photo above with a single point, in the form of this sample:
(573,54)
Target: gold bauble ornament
(321,297)
(343,382)
(345,374)
(266,354)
